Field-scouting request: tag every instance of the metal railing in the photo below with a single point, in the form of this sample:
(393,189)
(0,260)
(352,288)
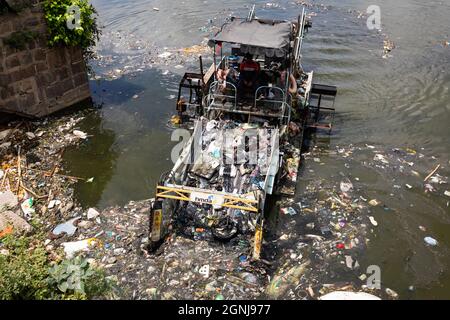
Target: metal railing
(215,93)
(269,100)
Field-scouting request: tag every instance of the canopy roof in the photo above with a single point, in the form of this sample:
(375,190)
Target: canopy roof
(257,36)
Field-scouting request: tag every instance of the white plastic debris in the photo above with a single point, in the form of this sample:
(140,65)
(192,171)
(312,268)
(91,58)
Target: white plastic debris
(5,145)
(373,221)
(374,202)
(71,248)
(447,193)
(92,213)
(346,186)
(79,134)
(381,158)
(347,295)
(53,204)
(30,135)
(349,262)
(431,241)
(391,293)
(5,133)
(68,227)
(165,55)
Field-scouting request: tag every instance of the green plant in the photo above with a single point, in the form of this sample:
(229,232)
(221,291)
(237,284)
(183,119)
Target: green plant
(84,33)
(77,278)
(24,270)
(19,39)
(28,271)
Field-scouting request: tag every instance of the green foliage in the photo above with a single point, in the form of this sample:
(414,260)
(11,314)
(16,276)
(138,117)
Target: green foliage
(58,16)
(23,272)
(76,277)
(27,272)
(19,39)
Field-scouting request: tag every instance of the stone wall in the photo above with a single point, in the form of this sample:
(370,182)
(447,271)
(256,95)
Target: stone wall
(38,80)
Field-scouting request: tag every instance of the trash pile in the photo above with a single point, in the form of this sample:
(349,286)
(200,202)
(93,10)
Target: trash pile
(234,158)
(319,241)
(411,165)
(388,46)
(32,186)
(116,239)
(132,55)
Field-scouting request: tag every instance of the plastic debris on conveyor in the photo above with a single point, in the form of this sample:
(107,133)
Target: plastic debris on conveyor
(233,158)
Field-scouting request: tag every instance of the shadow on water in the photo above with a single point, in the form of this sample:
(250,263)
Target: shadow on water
(129,143)
(94,158)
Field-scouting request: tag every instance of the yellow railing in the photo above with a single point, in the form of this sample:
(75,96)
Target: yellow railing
(184,194)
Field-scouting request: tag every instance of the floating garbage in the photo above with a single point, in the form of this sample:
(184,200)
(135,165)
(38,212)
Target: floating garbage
(349,262)
(71,248)
(165,55)
(373,221)
(68,228)
(374,202)
(79,134)
(431,241)
(381,158)
(346,186)
(92,213)
(290,211)
(282,281)
(391,293)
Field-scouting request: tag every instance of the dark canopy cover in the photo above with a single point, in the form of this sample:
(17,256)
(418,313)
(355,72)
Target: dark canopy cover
(257,36)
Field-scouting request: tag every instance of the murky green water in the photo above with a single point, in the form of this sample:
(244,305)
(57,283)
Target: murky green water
(399,102)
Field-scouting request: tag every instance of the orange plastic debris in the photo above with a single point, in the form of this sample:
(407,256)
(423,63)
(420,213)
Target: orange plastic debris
(8,230)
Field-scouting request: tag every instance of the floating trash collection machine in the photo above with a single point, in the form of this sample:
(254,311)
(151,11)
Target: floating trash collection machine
(248,115)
